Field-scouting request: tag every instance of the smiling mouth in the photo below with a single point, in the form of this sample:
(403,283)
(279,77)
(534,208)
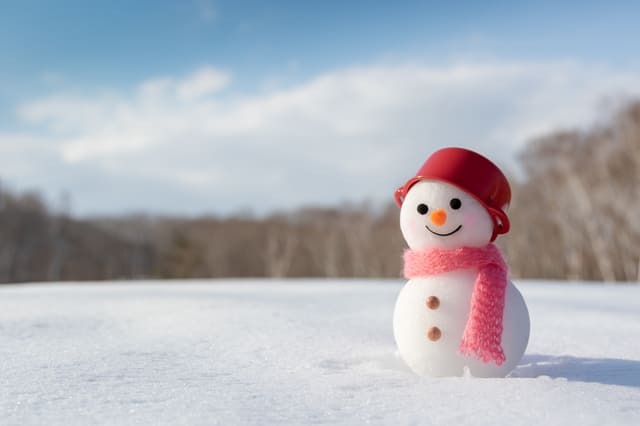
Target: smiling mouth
(444,235)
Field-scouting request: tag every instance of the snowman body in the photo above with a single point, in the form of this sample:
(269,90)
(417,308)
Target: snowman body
(443,301)
(431,312)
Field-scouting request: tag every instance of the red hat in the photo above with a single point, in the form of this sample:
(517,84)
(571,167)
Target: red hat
(472,173)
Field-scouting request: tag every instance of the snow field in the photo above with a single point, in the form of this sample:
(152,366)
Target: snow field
(298,352)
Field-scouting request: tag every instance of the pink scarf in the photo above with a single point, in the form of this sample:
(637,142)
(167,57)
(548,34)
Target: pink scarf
(483,332)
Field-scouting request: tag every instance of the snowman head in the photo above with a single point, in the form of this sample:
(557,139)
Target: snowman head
(436,214)
(458,198)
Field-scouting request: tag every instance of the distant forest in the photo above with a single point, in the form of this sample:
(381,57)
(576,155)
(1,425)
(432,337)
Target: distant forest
(575,215)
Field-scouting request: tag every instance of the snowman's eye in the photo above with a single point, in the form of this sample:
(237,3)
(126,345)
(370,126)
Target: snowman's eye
(423,209)
(455,203)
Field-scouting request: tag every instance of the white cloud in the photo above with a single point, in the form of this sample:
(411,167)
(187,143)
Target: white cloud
(203,82)
(177,144)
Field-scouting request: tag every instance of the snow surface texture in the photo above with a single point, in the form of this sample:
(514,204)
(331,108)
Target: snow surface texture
(298,352)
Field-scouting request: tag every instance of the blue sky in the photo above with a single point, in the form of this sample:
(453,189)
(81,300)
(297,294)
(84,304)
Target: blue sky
(169,106)
(121,42)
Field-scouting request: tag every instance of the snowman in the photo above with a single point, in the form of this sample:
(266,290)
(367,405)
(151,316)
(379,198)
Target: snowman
(458,312)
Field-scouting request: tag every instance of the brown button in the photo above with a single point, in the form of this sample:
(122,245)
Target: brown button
(434,334)
(433,302)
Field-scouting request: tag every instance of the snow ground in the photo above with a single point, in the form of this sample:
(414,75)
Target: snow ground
(298,352)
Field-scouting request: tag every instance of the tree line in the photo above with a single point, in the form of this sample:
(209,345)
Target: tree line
(574,216)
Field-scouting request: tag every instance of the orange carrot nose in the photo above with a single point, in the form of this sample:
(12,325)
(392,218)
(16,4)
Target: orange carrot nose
(438,217)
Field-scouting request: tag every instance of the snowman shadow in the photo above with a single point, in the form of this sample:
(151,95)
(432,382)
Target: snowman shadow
(607,371)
